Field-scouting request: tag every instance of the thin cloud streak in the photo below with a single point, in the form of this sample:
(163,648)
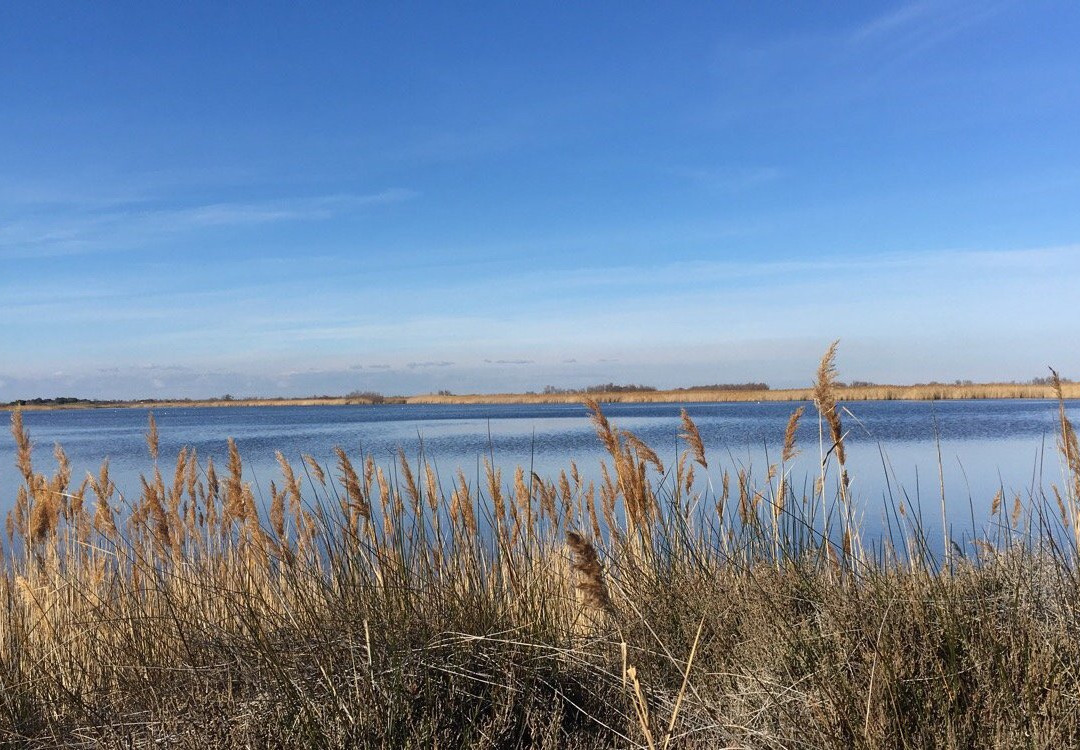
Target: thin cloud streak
(135,227)
(911,30)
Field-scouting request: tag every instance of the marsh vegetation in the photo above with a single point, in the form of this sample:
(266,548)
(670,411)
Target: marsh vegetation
(355,604)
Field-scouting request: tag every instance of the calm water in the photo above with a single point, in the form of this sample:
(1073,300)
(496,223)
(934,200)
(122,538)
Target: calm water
(984,444)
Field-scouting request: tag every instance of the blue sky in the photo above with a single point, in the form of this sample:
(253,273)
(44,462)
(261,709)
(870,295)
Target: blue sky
(276,199)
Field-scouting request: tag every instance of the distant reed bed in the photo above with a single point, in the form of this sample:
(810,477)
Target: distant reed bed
(926,392)
(637,394)
(350,603)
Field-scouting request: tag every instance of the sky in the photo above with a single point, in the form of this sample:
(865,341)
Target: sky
(295,199)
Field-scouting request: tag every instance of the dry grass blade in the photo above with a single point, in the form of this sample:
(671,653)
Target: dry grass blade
(685,684)
(641,707)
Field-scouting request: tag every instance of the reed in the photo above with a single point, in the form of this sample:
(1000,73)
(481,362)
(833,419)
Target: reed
(382,607)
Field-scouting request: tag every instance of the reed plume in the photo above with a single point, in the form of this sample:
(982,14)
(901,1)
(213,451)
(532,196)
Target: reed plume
(316,469)
(359,505)
(590,506)
(465,504)
(547,499)
(643,450)
(389,503)
(604,430)
(192,479)
(62,479)
(1067,441)
(277,510)
(523,498)
(494,487)
(22,512)
(233,501)
(23,447)
(1063,513)
(292,486)
(693,439)
(212,490)
(590,575)
(103,488)
(42,518)
(411,488)
(152,436)
(825,385)
(432,485)
(790,448)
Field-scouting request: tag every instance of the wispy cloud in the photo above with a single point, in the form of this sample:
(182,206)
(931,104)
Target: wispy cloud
(823,70)
(294,209)
(729,179)
(64,231)
(916,27)
(899,20)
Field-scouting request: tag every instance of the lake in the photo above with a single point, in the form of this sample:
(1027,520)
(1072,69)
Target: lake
(984,445)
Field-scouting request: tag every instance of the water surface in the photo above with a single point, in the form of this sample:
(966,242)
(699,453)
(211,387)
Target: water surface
(893,446)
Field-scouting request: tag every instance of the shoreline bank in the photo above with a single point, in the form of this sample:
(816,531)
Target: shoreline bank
(930,392)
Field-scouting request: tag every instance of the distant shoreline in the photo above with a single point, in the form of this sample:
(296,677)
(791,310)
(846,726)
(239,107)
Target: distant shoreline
(931,392)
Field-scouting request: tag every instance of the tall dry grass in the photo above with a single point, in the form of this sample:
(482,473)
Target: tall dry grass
(363,605)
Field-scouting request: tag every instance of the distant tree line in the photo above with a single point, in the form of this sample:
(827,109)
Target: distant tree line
(1047,381)
(599,388)
(56,401)
(633,388)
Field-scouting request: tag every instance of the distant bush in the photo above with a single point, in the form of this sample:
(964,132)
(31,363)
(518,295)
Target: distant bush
(727,387)
(369,396)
